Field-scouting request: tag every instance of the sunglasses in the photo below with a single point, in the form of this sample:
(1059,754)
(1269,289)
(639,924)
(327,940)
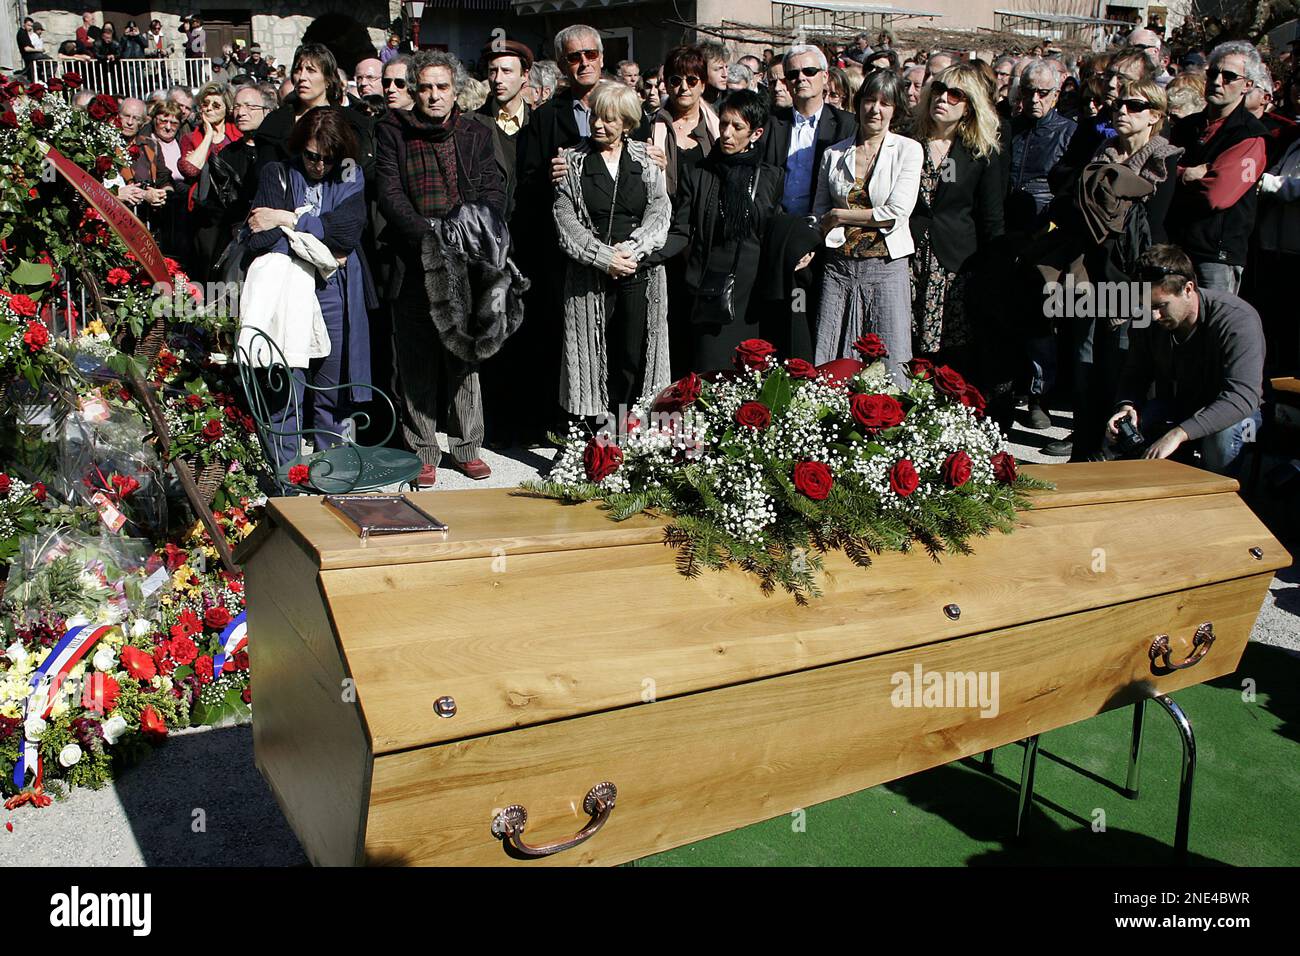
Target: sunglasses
(316,157)
(691,81)
(950,93)
(577,56)
(808,71)
(396,81)
(1214,73)
(1132,106)
(1037,93)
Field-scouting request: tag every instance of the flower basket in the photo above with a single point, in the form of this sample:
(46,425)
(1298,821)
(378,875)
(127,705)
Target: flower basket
(150,344)
(207,475)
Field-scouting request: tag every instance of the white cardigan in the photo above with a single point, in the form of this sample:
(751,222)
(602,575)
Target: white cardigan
(895,182)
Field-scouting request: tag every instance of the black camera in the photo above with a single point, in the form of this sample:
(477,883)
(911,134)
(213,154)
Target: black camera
(1130,441)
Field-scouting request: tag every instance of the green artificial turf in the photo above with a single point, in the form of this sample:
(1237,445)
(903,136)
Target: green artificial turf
(1245,805)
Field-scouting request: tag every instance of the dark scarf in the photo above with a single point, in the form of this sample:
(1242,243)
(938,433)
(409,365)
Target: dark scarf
(737,173)
(432,130)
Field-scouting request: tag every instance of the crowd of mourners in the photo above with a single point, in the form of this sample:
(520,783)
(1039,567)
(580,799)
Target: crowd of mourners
(1108,233)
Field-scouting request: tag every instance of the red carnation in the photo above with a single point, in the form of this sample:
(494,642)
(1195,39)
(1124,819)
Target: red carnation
(37,335)
(956,469)
(5,483)
(137,663)
(903,478)
(73,80)
(601,459)
(118,276)
(870,346)
(38,490)
(203,668)
(174,556)
(24,305)
(920,368)
(754,415)
(1004,467)
(213,430)
(173,267)
(753,354)
(678,395)
(813,479)
(948,380)
(151,724)
(183,650)
(798,368)
(216,618)
(874,412)
(299,474)
(100,694)
(125,485)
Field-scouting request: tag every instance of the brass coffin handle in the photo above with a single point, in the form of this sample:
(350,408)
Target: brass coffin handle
(1201,642)
(509,824)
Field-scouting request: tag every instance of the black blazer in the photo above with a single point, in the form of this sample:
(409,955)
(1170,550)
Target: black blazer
(966,212)
(504,147)
(834,125)
(599,193)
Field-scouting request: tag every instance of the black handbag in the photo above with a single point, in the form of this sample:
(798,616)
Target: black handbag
(715,296)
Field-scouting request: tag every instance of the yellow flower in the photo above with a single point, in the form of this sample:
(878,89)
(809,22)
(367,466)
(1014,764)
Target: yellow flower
(10,710)
(96,327)
(181,578)
(59,709)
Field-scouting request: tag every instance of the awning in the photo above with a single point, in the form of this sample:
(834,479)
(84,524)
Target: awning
(1060,19)
(867,9)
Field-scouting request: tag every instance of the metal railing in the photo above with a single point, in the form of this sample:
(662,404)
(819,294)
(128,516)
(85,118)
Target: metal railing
(136,78)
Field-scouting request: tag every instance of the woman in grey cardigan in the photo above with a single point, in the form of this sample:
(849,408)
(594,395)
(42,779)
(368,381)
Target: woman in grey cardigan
(612,212)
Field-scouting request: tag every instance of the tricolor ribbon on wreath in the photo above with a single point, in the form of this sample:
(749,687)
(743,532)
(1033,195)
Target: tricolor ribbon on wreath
(45,684)
(233,639)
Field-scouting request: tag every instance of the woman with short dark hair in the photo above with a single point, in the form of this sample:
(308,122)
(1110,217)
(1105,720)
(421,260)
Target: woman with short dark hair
(316,82)
(322,191)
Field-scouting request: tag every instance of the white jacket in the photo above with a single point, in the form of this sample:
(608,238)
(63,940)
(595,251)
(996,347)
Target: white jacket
(279,298)
(895,183)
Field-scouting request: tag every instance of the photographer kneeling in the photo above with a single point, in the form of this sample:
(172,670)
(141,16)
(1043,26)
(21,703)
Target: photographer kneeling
(1204,352)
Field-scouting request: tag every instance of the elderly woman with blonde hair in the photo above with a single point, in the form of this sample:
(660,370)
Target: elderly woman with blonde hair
(612,214)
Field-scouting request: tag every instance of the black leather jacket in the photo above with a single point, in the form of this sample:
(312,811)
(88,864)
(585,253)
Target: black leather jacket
(1036,146)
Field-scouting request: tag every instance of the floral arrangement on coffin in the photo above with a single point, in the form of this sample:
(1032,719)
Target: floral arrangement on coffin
(771,465)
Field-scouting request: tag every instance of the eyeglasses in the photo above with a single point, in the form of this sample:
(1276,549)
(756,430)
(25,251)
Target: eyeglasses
(1037,93)
(1213,73)
(396,81)
(250,106)
(575,57)
(315,157)
(1154,273)
(691,81)
(950,93)
(1132,106)
(808,71)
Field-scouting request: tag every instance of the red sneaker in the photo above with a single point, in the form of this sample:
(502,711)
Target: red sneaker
(428,475)
(475,468)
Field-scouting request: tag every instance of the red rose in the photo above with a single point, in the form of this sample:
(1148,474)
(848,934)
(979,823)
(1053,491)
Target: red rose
(247,695)
(920,368)
(972,398)
(39,119)
(102,107)
(902,478)
(125,485)
(24,305)
(1004,467)
(100,694)
(103,164)
(36,91)
(4,485)
(37,335)
(813,479)
(73,80)
(241,660)
(956,469)
(203,669)
(299,474)
(601,459)
(194,401)
(754,415)
(38,490)
(167,360)
(213,430)
(137,663)
(798,368)
(839,371)
(9,118)
(32,194)
(216,618)
(874,412)
(247,421)
(151,724)
(678,395)
(55,85)
(753,354)
(870,346)
(948,380)
(133,150)
(183,650)
(231,412)
(118,276)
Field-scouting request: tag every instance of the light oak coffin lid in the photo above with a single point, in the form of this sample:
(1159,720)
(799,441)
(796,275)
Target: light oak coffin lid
(490,521)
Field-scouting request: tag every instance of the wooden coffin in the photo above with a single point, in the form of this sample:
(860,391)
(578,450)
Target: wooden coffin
(409,690)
